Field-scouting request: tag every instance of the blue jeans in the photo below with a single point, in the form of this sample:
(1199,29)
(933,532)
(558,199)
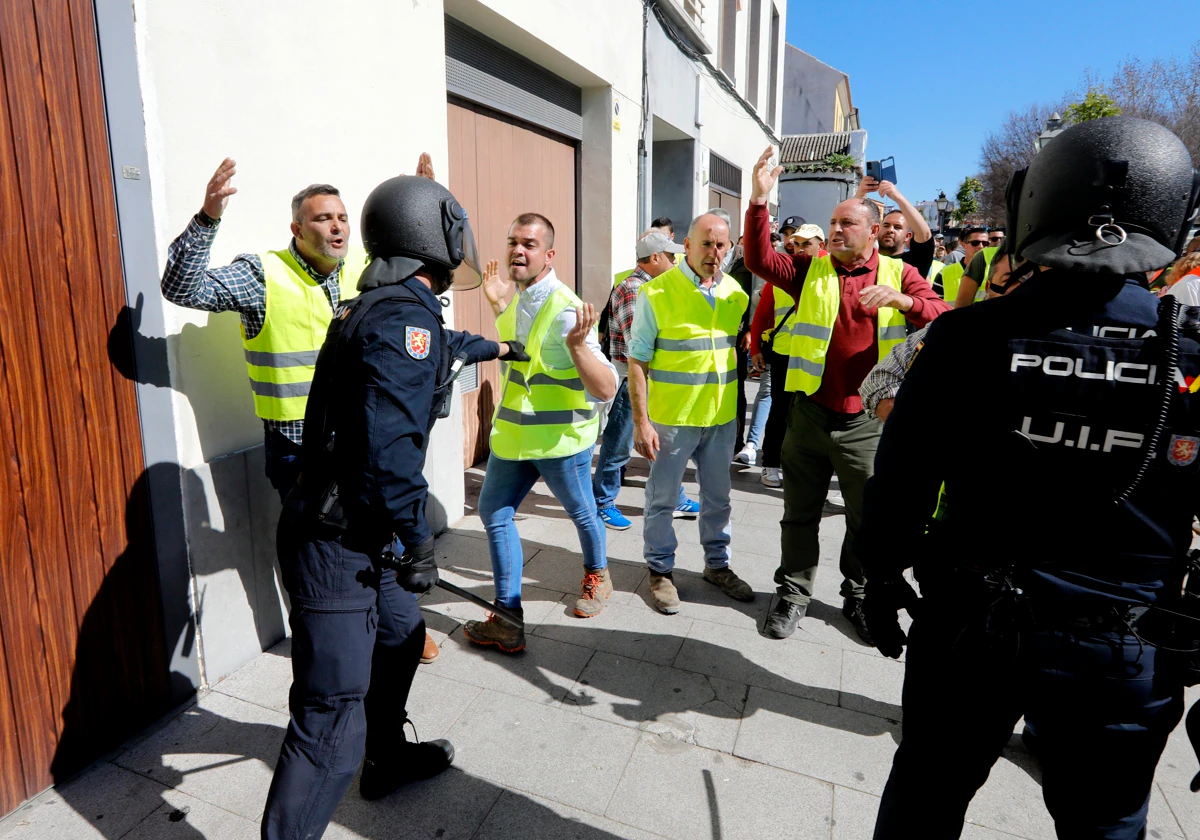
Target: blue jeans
(283,462)
(711,449)
(617,445)
(762,409)
(506,485)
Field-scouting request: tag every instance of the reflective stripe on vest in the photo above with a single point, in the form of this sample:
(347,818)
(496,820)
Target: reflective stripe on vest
(281,359)
(693,374)
(820,299)
(783,305)
(542,412)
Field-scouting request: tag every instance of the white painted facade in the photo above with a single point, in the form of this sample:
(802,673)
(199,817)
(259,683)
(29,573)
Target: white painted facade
(300,92)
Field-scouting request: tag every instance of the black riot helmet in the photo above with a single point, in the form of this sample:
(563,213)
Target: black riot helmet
(1113,195)
(412,223)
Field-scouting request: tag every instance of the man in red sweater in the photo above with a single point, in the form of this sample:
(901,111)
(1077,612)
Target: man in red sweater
(829,358)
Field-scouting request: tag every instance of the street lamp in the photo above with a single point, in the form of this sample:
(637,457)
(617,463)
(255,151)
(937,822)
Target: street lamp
(942,203)
(1054,127)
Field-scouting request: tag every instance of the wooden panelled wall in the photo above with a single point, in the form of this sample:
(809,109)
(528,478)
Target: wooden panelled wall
(81,656)
(501,167)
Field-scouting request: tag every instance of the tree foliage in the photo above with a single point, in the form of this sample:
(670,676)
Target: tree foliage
(1165,91)
(966,199)
(1094,106)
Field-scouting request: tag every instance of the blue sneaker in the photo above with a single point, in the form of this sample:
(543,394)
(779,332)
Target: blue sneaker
(613,518)
(687,509)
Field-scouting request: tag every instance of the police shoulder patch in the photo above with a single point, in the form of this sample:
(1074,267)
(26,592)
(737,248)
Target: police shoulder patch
(1182,450)
(416,342)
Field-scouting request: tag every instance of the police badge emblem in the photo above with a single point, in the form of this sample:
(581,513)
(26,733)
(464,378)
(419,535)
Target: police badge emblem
(416,342)
(1183,450)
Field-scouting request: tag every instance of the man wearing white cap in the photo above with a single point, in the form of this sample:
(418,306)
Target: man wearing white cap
(655,255)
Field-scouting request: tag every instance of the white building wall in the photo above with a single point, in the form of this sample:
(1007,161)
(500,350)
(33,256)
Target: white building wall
(296,93)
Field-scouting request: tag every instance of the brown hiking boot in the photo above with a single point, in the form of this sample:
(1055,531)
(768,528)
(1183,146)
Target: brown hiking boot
(664,597)
(593,592)
(496,631)
(430,652)
(729,583)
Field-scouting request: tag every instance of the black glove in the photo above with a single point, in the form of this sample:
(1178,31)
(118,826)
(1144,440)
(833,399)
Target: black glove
(881,607)
(417,569)
(516,352)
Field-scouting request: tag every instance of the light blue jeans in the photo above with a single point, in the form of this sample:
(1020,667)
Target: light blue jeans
(506,485)
(710,448)
(762,409)
(616,447)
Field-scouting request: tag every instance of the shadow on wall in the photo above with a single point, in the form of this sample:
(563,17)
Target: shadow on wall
(211,374)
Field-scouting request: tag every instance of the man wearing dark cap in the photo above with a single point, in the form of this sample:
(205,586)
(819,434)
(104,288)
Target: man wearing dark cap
(790,225)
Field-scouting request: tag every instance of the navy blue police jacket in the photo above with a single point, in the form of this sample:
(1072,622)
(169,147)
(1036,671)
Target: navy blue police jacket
(1038,408)
(379,404)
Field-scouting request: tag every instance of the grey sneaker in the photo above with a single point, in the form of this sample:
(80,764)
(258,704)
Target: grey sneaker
(663,594)
(593,592)
(496,631)
(729,583)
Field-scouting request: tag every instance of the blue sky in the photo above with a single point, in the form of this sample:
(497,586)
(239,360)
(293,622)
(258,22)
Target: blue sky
(904,62)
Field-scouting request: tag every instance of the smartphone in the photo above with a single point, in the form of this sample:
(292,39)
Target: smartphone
(874,170)
(887,168)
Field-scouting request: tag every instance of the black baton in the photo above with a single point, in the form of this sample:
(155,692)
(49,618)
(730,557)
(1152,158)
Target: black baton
(507,615)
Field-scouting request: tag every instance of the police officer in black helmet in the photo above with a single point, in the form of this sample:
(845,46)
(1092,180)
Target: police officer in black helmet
(353,535)
(1087,429)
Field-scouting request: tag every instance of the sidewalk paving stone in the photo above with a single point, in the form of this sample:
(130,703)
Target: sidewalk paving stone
(451,806)
(631,631)
(853,814)
(542,673)
(700,710)
(264,680)
(790,666)
(218,739)
(184,817)
(106,801)
(543,750)
(825,742)
(516,815)
(686,792)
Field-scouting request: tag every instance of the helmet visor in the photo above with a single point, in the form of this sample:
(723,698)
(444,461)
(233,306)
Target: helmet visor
(468,274)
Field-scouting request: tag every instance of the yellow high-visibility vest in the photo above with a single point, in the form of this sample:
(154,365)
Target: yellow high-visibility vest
(619,276)
(543,412)
(281,359)
(935,268)
(820,299)
(693,374)
(952,277)
(783,305)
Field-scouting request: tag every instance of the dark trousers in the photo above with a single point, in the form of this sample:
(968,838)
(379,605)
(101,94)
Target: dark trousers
(819,441)
(743,371)
(777,417)
(1104,709)
(283,462)
(356,642)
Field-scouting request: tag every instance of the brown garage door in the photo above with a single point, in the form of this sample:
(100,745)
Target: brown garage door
(80,658)
(501,167)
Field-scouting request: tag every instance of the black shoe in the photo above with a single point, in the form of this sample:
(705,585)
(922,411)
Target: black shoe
(411,763)
(852,609)
(783,618)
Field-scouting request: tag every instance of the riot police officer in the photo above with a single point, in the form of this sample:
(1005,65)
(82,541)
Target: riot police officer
(353,536)
(1086,425)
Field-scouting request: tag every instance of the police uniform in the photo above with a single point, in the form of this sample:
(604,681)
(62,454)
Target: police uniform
(357,634)
(1058,539)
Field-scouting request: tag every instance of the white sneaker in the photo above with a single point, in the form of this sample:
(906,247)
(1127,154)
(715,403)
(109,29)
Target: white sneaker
(772,477)
(836,500)
(748,455)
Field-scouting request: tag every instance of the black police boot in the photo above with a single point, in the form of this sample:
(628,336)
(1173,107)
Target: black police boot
(852,609)
(783,618)
(412,762)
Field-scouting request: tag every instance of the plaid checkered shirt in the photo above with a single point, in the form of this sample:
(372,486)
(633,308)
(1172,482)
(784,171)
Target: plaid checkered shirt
(623,302)
(883,382)
(238,287)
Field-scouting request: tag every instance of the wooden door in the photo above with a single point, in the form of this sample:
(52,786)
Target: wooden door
(81,658)
(501,167)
